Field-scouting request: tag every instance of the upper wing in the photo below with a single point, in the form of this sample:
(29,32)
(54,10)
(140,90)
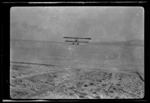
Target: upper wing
(76,38)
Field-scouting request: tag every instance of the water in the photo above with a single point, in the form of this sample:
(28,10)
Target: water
(64,54)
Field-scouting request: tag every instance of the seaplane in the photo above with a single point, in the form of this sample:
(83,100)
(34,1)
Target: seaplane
(76,40)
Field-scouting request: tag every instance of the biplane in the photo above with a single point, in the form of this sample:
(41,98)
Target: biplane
(77,40)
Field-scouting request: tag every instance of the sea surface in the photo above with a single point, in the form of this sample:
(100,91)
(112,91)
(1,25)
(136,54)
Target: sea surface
(103,55)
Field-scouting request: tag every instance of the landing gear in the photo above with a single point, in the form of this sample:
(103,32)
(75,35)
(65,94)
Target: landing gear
(77,43)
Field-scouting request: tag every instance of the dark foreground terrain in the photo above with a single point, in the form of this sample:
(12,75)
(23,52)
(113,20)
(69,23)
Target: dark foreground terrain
(73,83)
(96,71)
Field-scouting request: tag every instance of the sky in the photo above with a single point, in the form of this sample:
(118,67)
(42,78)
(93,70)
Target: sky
(99,23)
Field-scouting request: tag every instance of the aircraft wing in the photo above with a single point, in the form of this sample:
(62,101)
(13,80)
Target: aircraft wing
(77,38)
(77,41)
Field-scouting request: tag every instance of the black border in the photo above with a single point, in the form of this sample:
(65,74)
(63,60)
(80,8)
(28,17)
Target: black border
(5,41)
